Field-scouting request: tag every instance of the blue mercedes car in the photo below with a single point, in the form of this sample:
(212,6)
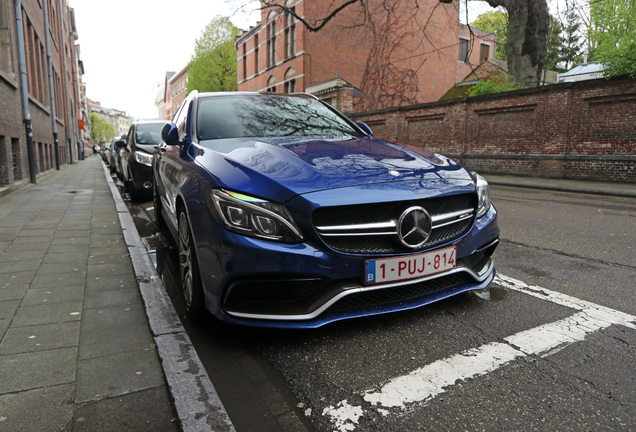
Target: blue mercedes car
(288,214)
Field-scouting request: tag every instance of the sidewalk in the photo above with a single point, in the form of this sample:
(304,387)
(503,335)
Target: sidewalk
(627,190)
(88,338)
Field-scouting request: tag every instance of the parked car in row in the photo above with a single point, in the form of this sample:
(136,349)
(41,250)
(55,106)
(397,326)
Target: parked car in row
(104,152)
(288,214)
(135,160)
(115,155)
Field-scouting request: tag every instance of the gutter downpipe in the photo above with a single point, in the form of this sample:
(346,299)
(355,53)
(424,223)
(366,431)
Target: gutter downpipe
(76,111)
(51,88)
(64,92)
(26,115)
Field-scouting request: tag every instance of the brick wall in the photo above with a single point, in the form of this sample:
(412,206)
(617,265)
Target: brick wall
(583,130)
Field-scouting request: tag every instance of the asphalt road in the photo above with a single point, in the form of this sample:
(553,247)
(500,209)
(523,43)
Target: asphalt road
(552,349)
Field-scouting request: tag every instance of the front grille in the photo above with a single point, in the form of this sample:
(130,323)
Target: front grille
(362,240)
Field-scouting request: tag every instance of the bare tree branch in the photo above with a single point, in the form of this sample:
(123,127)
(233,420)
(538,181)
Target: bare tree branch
(318,23)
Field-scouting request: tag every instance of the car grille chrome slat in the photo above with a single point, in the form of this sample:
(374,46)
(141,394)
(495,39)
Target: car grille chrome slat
(372,228)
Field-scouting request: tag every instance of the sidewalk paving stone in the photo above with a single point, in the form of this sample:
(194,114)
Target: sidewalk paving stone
(37,369)
(40,338)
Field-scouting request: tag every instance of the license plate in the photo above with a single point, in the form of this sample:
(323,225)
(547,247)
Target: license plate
(409,267)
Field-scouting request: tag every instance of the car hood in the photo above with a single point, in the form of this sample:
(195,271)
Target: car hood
(281,168)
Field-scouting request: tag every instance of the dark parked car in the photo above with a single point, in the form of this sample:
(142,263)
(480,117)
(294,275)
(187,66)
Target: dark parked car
(288,214)
(115,151)
(136,157)
(104,152)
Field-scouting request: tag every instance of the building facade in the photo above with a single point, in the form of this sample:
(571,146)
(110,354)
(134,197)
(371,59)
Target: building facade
(44,121)
(116,118)
(175,90)
(392,53)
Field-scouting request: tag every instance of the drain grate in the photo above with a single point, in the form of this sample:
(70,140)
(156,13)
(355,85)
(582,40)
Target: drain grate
(154,242)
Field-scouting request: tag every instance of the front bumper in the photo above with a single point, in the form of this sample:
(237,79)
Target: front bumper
(141,176)
(258,283)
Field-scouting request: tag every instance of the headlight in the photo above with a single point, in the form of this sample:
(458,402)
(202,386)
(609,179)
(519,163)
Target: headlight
(143,158)
(483,192)
(253,217)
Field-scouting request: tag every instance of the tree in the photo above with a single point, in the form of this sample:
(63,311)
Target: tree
(101,130)
(213,64)
(495,22)
(527,32)
(571,47)
(614,32)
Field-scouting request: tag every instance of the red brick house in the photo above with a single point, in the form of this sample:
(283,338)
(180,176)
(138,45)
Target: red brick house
(362,60)
(174,92)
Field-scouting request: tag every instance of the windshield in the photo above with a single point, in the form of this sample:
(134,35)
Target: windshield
(268,116)
(149,133)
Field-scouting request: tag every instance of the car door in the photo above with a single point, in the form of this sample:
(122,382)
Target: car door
(124,153)
(168,164)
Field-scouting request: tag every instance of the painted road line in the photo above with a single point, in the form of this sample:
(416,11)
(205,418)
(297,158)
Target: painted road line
(592,309)
(423,384)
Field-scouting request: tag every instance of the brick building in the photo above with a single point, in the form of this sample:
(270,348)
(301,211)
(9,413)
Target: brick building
(174,92)
(48,94)
(362,60)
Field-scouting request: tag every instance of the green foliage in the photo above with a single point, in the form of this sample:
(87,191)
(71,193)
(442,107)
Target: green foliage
(101,130)
(495,22)
(213,64)
(554,42)
(614,35)
(572,47)
(619,61)
(496,84)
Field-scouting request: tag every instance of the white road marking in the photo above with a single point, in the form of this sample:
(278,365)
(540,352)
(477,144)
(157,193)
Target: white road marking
(601,312)
(425,383)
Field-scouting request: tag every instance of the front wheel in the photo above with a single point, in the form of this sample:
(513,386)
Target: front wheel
(130,188)
(189,270)
(156,201)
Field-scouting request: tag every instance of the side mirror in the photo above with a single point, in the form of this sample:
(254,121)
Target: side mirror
(170,134)
(120,144)
(366,129)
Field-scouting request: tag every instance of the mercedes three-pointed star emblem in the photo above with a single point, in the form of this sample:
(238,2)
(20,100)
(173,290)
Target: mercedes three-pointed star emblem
(414,227)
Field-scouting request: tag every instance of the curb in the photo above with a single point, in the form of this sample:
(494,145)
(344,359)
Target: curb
(196,401)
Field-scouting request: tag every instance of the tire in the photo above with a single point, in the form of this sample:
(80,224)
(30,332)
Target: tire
(189,270)
(156,201)
(130,188)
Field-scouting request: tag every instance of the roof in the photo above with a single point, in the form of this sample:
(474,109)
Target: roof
(583,71)
(487,69)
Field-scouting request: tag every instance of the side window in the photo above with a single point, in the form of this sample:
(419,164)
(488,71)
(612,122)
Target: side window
(129,140)
(180,120)
(5,39)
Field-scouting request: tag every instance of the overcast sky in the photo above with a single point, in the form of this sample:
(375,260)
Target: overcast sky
(127,46)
